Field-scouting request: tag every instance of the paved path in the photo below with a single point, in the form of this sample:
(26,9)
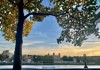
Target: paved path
(53,69)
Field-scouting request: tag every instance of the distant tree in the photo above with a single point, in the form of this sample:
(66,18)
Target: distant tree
(47,59)
(10,59)
(3,57)
(37,58)
(65,58)
(76,17)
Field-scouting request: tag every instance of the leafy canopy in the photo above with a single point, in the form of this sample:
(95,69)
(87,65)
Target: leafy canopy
(79,22)
(76,17)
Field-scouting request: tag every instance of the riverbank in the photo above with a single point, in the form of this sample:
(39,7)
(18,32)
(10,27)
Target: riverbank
(52,69)
(45,64)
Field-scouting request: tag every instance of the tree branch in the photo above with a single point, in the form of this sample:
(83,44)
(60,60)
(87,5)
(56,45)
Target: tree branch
(45,14)
(96,17)
(28,2)
(12,2)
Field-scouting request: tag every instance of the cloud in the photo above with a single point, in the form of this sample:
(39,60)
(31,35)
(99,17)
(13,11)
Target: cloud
(38,34)
(92,49)
(29,43)
(6,44)
(52,43)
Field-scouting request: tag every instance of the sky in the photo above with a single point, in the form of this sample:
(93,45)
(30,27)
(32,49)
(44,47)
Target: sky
(43,40)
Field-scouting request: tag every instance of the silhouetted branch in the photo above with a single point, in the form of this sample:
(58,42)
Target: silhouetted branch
(45,14)
(28,2)
(12,2)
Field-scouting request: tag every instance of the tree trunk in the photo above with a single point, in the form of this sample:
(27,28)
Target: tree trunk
(19,39)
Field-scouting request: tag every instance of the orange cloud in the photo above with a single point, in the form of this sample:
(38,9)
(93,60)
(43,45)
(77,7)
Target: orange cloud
(91,49)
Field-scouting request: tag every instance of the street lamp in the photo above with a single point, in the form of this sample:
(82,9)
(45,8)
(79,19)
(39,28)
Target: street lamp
(85,61)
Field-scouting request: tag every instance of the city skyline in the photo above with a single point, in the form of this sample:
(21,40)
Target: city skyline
(7,52)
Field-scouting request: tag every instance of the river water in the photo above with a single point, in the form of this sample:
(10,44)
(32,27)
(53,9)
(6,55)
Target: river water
(50,66)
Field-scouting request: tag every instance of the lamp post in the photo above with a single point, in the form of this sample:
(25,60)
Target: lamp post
(85,61)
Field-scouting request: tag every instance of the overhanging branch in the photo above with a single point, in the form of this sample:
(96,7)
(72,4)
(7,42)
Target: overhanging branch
(45,14)
(12,2)
(28,2)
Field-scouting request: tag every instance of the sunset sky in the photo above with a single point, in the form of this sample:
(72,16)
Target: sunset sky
(42,40)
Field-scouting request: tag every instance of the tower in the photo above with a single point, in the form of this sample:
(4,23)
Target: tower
(53,54)
(48,54)
(59,54)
